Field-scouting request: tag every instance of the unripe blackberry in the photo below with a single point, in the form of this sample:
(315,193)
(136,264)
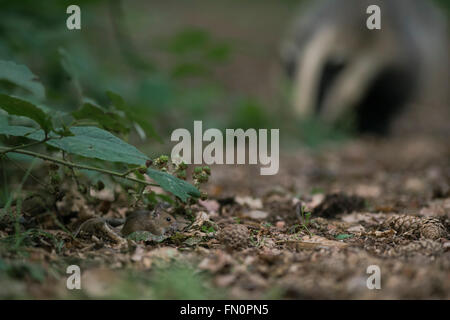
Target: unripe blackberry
(182,166)
(207,170)
(181,174)
(142,170)
(198,170)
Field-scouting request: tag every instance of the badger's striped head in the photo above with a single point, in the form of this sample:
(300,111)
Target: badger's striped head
(339,68)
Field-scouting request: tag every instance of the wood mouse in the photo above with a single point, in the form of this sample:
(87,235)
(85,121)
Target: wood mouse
(157,222)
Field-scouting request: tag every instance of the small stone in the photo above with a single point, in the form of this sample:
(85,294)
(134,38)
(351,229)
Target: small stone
(252,203)
(280,224)
(257,214)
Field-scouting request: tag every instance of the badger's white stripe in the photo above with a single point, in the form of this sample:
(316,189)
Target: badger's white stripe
(351,85)
(310,65)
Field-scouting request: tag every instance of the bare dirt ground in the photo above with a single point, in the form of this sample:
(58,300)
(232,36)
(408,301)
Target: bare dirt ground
(378,194)
(384,203)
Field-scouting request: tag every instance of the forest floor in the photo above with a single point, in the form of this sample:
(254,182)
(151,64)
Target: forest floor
(365,202)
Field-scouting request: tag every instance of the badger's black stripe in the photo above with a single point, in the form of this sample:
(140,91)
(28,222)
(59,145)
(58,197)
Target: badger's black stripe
(386,97)
(329,74)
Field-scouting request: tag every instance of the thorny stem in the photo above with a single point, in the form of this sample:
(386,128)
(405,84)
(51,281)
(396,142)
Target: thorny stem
(128,172)
(75,165)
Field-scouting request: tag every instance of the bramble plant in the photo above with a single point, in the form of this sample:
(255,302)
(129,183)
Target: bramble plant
(72,138)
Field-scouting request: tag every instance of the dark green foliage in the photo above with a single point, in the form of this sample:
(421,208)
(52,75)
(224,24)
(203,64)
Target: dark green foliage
(178,187)
(87,141)
(19,107)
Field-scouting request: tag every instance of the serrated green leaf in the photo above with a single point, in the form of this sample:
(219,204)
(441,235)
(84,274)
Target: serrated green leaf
(120,104)
(64,131)
(19,107)
(117,101)
(3,119)
(108,120)
(90,142)
(93,142)
(177,187)
(67,62)
(69,65)
(21,76)
(21,131)
(165,198)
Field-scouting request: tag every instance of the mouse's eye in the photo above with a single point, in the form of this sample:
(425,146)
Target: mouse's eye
(168,219)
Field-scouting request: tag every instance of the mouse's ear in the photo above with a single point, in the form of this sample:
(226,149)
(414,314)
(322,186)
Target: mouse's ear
(160,208)
(157,207)
(156,213)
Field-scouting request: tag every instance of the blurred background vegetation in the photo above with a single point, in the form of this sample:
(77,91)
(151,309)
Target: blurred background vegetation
(172,61)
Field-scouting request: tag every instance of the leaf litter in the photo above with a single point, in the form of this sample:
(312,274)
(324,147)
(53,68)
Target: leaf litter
(247,241)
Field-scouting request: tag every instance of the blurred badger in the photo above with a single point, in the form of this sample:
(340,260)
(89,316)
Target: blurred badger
(340,68)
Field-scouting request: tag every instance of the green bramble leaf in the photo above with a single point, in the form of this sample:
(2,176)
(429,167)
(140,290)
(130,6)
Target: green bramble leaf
(93,142)
(21,76)
(120,104)
(177,187)
(108,120)
(19,107)
(64,131)
(90,142)
(3,119)
(70,67)
(21,131)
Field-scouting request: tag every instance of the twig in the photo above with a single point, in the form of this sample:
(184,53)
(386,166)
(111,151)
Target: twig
(78,166)
(24,146)
(129,171)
